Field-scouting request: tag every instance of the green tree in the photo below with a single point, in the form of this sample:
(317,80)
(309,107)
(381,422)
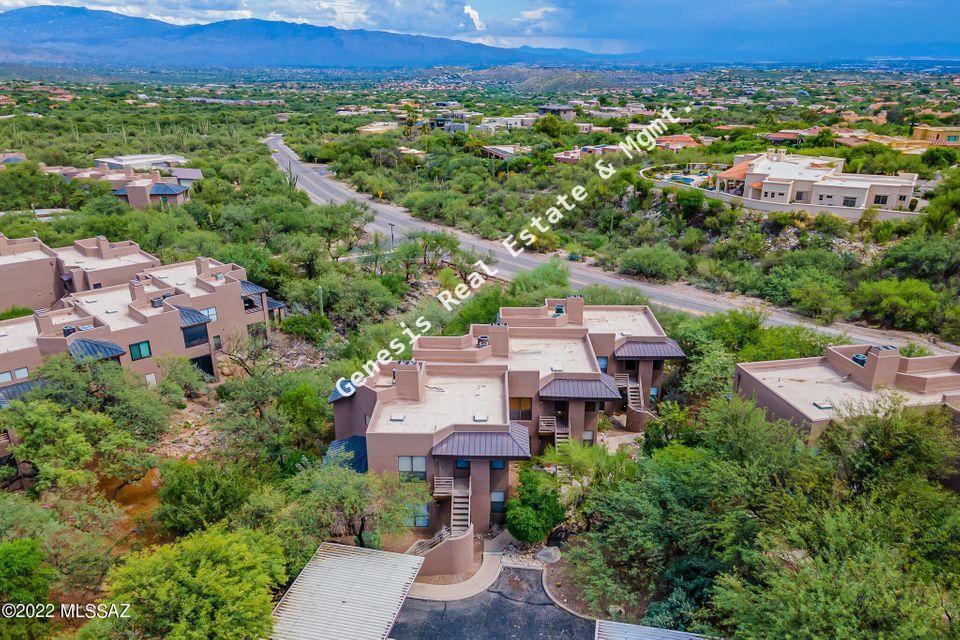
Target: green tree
(24,579)
(196,495)
(535,509)
(213,584)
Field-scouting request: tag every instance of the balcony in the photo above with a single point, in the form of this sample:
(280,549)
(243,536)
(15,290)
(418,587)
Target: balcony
(442,486)
(560,430)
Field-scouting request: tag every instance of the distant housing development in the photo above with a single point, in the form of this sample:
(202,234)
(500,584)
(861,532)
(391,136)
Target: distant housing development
(778,177)
(465,406)
(110,300)
(139,190)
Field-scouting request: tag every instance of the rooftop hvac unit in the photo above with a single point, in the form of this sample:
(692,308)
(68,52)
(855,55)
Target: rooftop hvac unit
(559,309)
(481,418)
(860,359)
(397,417)
(86,327)
(69,330)
(482,341)
(156,303)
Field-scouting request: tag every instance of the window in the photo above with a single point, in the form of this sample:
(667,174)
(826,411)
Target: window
(498,464)
(97,285)
(20,373)
(801,196)
(521,408)
(654,393)
(463,463)
(658,365)
(5,376)
(901,198)
(953,138)
(820,197)
(140,350)
(849,201)
(590,406)
(602,363)
(419,518)
(497,498)
(195,335)
(217,343)
(879,199)
(412,467)
(587,438)
(210,312)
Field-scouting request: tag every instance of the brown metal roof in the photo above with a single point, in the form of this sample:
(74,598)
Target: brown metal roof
(649,350)
(576,389)
(514,444)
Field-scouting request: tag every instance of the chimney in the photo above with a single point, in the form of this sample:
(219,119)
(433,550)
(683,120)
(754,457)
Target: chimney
(499,338)
(137,291)
(410,377)
(103,247)
(203,266)
(44,323)
(155,176)
(129,172)
(882,365)
(574,309)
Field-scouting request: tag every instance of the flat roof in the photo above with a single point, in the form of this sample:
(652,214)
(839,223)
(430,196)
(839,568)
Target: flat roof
(73,258)
(21,333)
(110,305)
(183,276)
(547,354)
(346,592)
(446,400)
(623,322)
(24,256)
(803,384)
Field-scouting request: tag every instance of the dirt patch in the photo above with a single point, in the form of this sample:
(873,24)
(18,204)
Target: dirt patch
(563,588)
(191,435)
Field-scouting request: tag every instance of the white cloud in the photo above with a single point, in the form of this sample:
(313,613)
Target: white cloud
(475,16)
(536,14)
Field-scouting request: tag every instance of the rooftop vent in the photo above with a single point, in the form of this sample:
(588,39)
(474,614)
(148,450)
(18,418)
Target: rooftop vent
(156,303)
(556,369)
(481,418)
(90,300)
(397,417)
(181,284)
(482,341)
(86,327)
(823,404)
(111,311)
(3,334)
(167,294)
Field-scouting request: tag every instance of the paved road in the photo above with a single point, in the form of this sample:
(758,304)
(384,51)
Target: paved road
(515,607)
(324,189)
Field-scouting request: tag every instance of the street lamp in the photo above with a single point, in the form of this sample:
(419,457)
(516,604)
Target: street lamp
(392,225)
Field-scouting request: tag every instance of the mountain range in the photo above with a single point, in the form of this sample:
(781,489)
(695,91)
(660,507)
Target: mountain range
(59,35)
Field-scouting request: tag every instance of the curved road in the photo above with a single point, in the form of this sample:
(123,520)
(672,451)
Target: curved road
(323,189)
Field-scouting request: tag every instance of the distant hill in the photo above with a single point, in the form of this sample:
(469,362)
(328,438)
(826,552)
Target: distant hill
(70,35)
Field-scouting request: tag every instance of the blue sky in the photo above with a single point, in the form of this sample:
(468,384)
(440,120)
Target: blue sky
(611,26)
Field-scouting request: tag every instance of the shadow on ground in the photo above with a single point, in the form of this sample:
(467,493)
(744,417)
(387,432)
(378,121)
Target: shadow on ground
(514,607)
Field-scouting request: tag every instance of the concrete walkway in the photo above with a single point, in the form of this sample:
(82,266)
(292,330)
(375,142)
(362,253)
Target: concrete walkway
(479,582)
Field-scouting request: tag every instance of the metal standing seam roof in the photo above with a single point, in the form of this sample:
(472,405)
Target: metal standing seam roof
(83,348)
(336,394)
(578,389)
(190,317)
(609,630)
(663,350)
(274,304)
(251,289)
(345,592)
(15,391)
(352,451)
(514,443)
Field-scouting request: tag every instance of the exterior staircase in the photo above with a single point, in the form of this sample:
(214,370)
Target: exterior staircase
(561,435)
(460,508)
(423,547)
(634,394)
(560,431)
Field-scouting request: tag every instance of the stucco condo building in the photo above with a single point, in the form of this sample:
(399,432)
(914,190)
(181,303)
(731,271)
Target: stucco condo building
(465,407)
(811,391)
(778,177)
(111,301)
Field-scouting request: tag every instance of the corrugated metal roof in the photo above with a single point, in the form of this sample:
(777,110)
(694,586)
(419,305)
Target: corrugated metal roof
(345,592)
(84,348)
(649,350)
(514,444)
(250,288)
(603,389)
(274,304)
(608,630)
(350,451)
(191,317)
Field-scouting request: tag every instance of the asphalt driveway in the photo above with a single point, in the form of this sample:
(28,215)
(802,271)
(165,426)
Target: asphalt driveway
(515,607)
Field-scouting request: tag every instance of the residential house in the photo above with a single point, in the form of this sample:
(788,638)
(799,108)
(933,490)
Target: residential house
(142,162)
(562,111)
(575,155)
(938,136)
(779,177)
(377,128)
(465,406)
